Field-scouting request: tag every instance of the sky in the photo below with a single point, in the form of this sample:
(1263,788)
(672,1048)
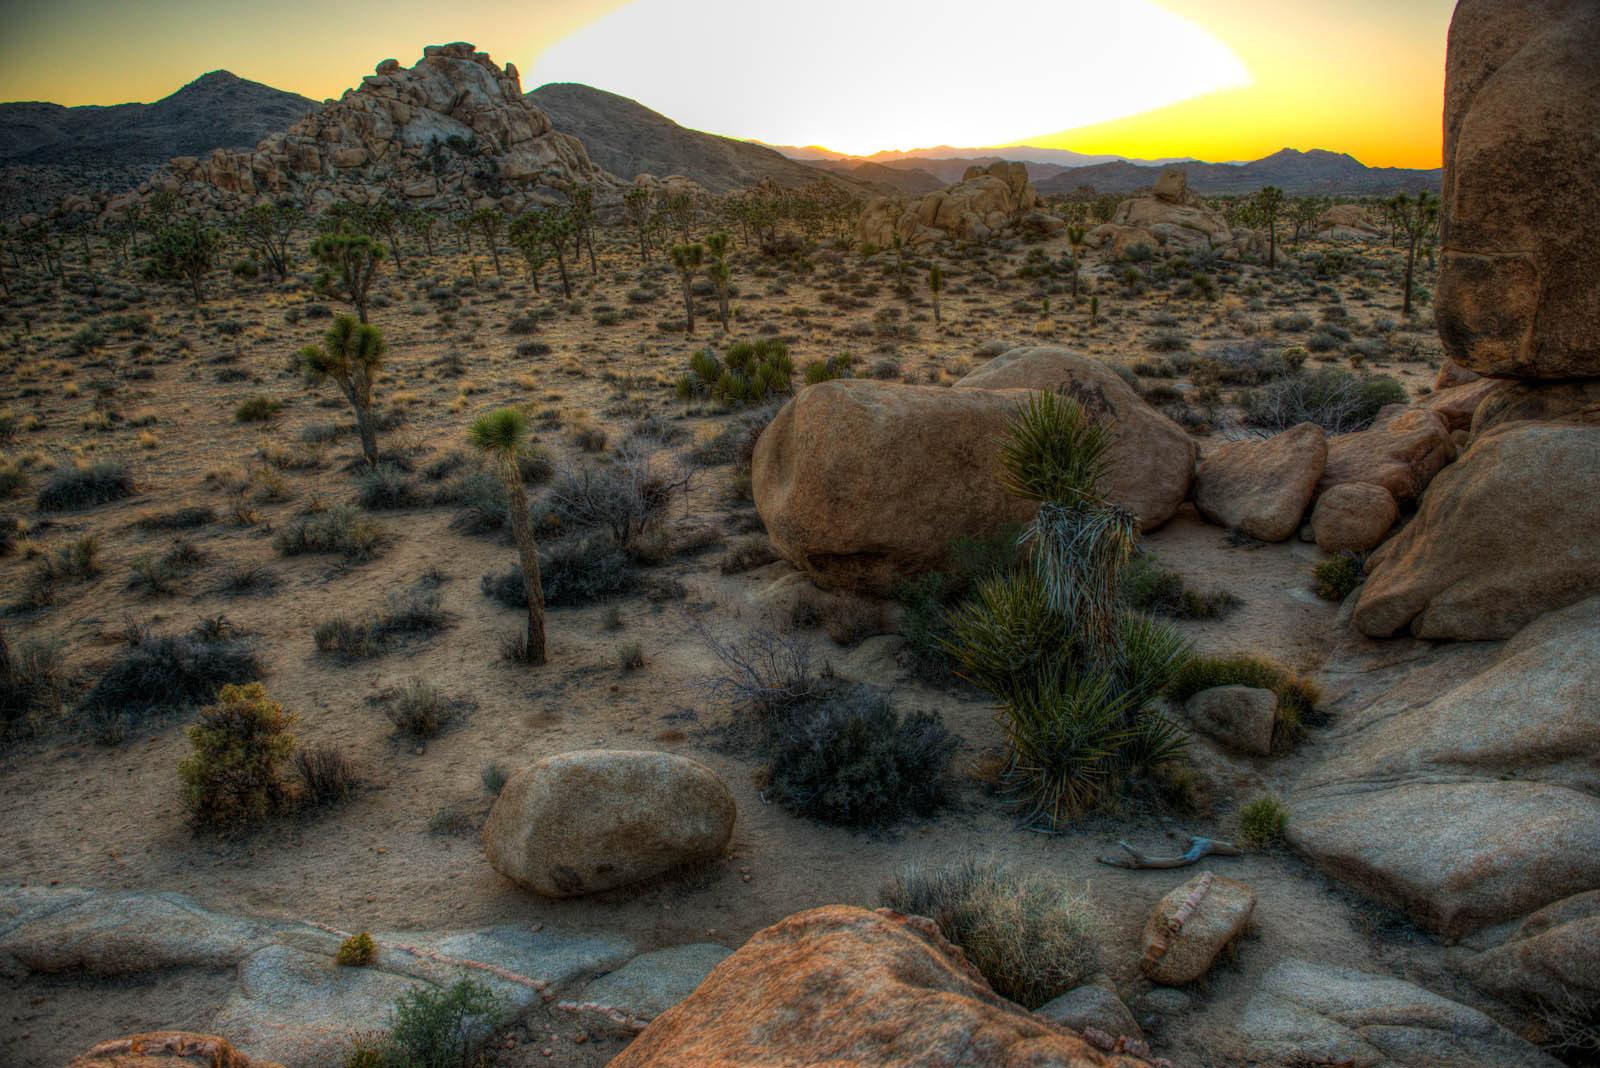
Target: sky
(1211,79)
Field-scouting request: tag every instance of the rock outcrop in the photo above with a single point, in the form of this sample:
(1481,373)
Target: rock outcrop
(843,986)
(1464,787)
(1348,222)
(1305,1013)
(1401,451)
(577,823)
(1519,285)
(1547,965)
(1508,532)
(1173,215)
(451,132)
(985,202)
(1261,488)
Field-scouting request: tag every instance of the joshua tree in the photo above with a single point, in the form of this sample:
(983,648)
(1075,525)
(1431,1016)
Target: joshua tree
(1075,235)
(556,228)
(935,284)
(350,355)
(385,219)
(1413,219)
(687,260)
(582,213)
(719,273)
(682,210)
(636,206)
(525,236)
(185,253)
(1270,202)
(351,261)
(489,223)
(1303,212)
(422,224)
(500,436)
(268,229)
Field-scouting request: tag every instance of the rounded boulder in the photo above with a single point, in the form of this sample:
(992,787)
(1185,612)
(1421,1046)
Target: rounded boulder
(577,823)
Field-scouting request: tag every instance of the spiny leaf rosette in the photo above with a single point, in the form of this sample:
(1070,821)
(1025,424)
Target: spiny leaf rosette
(1074,670)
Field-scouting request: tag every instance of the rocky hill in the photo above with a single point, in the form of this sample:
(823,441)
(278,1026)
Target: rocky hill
(627,139)
(1295,172)
(216,110)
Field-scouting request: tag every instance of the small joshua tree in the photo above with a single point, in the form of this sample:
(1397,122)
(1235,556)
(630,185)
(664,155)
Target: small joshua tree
(637,206)
(489,223)
(1075,237)
(1270,203)
(500,435)
(1413,220)
(350,355)
(687,261)
(935,285)
(185,253)
(351,260)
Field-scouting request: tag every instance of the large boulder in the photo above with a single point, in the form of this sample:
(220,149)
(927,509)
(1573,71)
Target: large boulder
(854,989)
(1173,215)
(1519,285)
(1456,404)
(166,1049)
(1353,517)
(1306,1013)
(1401,451)
(986,201)
(861,483)
(580,822)
(1507,533)
(1152,459)
(1541,402)
(1548,964)
(1348,222)
(1463,785)
(1261,488)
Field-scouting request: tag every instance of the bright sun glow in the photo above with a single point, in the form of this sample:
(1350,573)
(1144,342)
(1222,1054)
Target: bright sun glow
(863,75)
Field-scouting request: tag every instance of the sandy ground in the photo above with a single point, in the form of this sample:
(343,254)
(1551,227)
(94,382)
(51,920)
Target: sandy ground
(80,813)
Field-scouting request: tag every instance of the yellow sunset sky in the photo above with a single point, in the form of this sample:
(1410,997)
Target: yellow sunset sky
(1212,79)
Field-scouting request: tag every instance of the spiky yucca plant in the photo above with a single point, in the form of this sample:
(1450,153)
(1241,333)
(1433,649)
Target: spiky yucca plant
(1073,669)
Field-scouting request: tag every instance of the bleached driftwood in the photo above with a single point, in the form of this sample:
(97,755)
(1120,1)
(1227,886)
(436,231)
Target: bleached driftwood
(1198,848)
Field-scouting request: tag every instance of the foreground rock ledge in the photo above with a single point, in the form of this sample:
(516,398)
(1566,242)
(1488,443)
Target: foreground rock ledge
(855,989)
(166,1049)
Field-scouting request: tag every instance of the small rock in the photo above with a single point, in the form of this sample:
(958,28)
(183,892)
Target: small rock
(1240,717)
(1221,915)
(1092,1006)
(1353,516)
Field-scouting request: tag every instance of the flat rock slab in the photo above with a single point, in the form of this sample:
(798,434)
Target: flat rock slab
(129,933)
(623,1002)
(1305,1013)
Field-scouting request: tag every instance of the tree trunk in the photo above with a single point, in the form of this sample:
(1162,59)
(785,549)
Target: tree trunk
(1272,245)
(369,436)
(1411,262)
(688,301)
(722,307)
(566,286)
(594,270)
(528,554)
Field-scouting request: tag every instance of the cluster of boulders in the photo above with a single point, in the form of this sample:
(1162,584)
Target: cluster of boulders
(452,132)
(1172,219)
(1348,222)
(987,201)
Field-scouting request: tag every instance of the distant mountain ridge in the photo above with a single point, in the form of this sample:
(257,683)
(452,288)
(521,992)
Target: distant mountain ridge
(1298,173)
(216,110)
(627,139)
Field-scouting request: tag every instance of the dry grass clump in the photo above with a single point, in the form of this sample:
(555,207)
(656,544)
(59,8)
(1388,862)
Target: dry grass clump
(1030,938)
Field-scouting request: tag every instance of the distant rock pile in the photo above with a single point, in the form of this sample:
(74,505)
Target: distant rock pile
(1171,217)
(452,132)
(986,201)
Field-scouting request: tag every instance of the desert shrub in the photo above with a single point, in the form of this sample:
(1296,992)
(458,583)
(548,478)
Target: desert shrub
(418,709)
(764,670)
(85,485)
(572,572)
(1074,670)
(926,600)
(1336,400)
(1247,363)
(746,554)
(482,498)
(1263,820)
(1297,696)
(356,951)
(247,578)
(386,487)
(340,529)
(33,682)
(625,496)
(493,778)
(182,519)
(240,744)
(153,576)
(1334,578)
(406,613)
(1031,939)
(630,657)
(258,410)
(1151,588)
(1168,341)
(1298,321)
(326,773)
(851,760)
(840,366)
(13,479)
(439,1028)
(749,373)
(156,673)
